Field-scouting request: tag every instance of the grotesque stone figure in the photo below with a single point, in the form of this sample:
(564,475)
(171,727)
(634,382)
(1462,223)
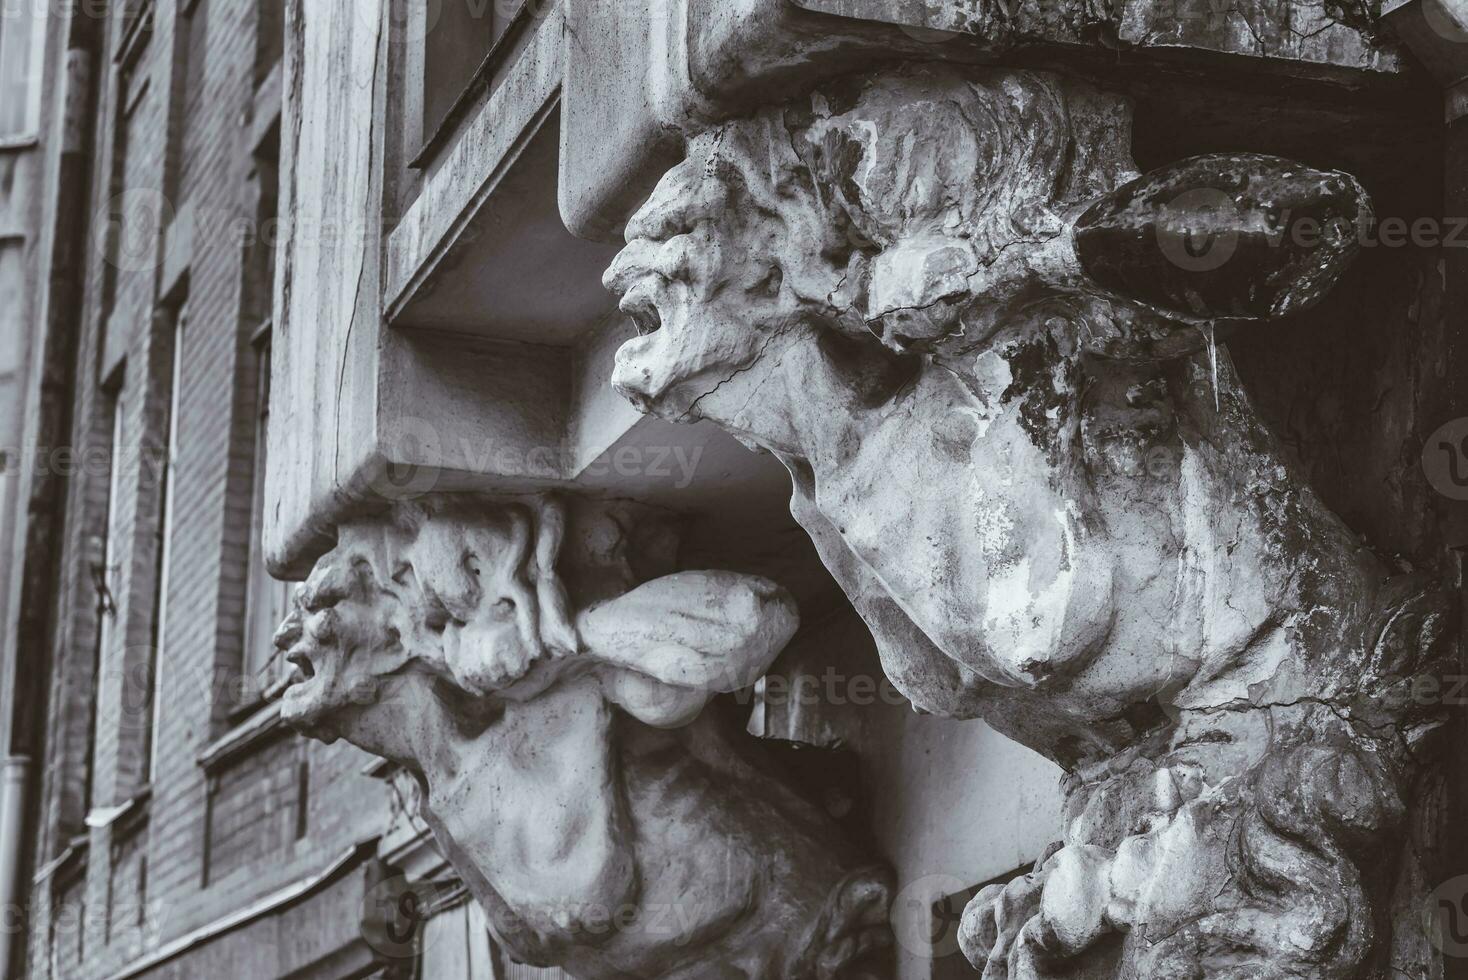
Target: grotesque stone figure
(984,348)
(548,708)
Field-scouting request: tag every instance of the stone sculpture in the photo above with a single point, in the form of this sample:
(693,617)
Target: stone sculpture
(984,347)
(550,710)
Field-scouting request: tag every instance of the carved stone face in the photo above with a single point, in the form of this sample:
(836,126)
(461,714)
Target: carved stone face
(1066,517)
(824,216)
(343,647)
(457,607)
(952,308)
(827,246)
(705,306)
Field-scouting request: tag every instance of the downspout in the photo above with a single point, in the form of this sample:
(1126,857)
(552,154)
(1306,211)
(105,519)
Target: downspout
(13,778)
(46,494)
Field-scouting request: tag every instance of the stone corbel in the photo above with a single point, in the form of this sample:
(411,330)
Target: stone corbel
(993,357)
(640,77)
(542,673)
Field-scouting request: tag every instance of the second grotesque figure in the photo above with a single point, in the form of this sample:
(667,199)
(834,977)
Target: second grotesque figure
(984,348)
(507,655)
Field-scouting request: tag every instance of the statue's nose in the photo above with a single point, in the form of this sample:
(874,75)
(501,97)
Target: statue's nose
(289,632)
(630,265)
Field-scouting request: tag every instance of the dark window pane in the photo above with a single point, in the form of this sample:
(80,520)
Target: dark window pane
(457,40)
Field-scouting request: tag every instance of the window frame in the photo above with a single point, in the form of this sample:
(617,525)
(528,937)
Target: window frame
(104,575)
(165,540)
(35,16)
(260,586)
(507,29)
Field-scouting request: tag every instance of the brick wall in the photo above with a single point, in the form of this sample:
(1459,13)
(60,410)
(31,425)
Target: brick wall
(257,808)
(176,120)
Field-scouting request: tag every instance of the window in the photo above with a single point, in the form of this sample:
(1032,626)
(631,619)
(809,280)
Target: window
(135,216)
(68,919)
(22,41)
(267,600)
(106,569)
(193,55)
(168,475)
(269,38)
(458,37)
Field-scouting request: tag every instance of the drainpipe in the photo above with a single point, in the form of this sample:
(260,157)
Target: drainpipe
(13,774)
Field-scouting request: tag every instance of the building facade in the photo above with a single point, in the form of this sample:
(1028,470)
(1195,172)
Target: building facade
(25,49)
(161,820)
(784,488)
(1012,300)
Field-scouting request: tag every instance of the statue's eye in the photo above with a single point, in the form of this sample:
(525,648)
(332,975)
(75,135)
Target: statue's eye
(504,609)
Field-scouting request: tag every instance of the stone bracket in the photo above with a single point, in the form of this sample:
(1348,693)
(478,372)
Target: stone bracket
(639,76)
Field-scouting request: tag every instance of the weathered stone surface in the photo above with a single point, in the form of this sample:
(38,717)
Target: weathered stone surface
(1225,236)
(1343,34)
(548,708)
(640,77)
(1038,479)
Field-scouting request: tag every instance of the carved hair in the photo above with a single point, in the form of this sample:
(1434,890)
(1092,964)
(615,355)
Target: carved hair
(904,222)
(461,567)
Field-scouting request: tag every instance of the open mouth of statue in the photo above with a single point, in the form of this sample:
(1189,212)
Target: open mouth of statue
(638,304)
(304,667)
(305,686)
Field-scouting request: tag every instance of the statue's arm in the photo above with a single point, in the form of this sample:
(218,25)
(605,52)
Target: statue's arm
(670,645)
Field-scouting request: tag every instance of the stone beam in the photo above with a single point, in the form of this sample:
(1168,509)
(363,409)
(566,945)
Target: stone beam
(1437,33)
(641,77)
